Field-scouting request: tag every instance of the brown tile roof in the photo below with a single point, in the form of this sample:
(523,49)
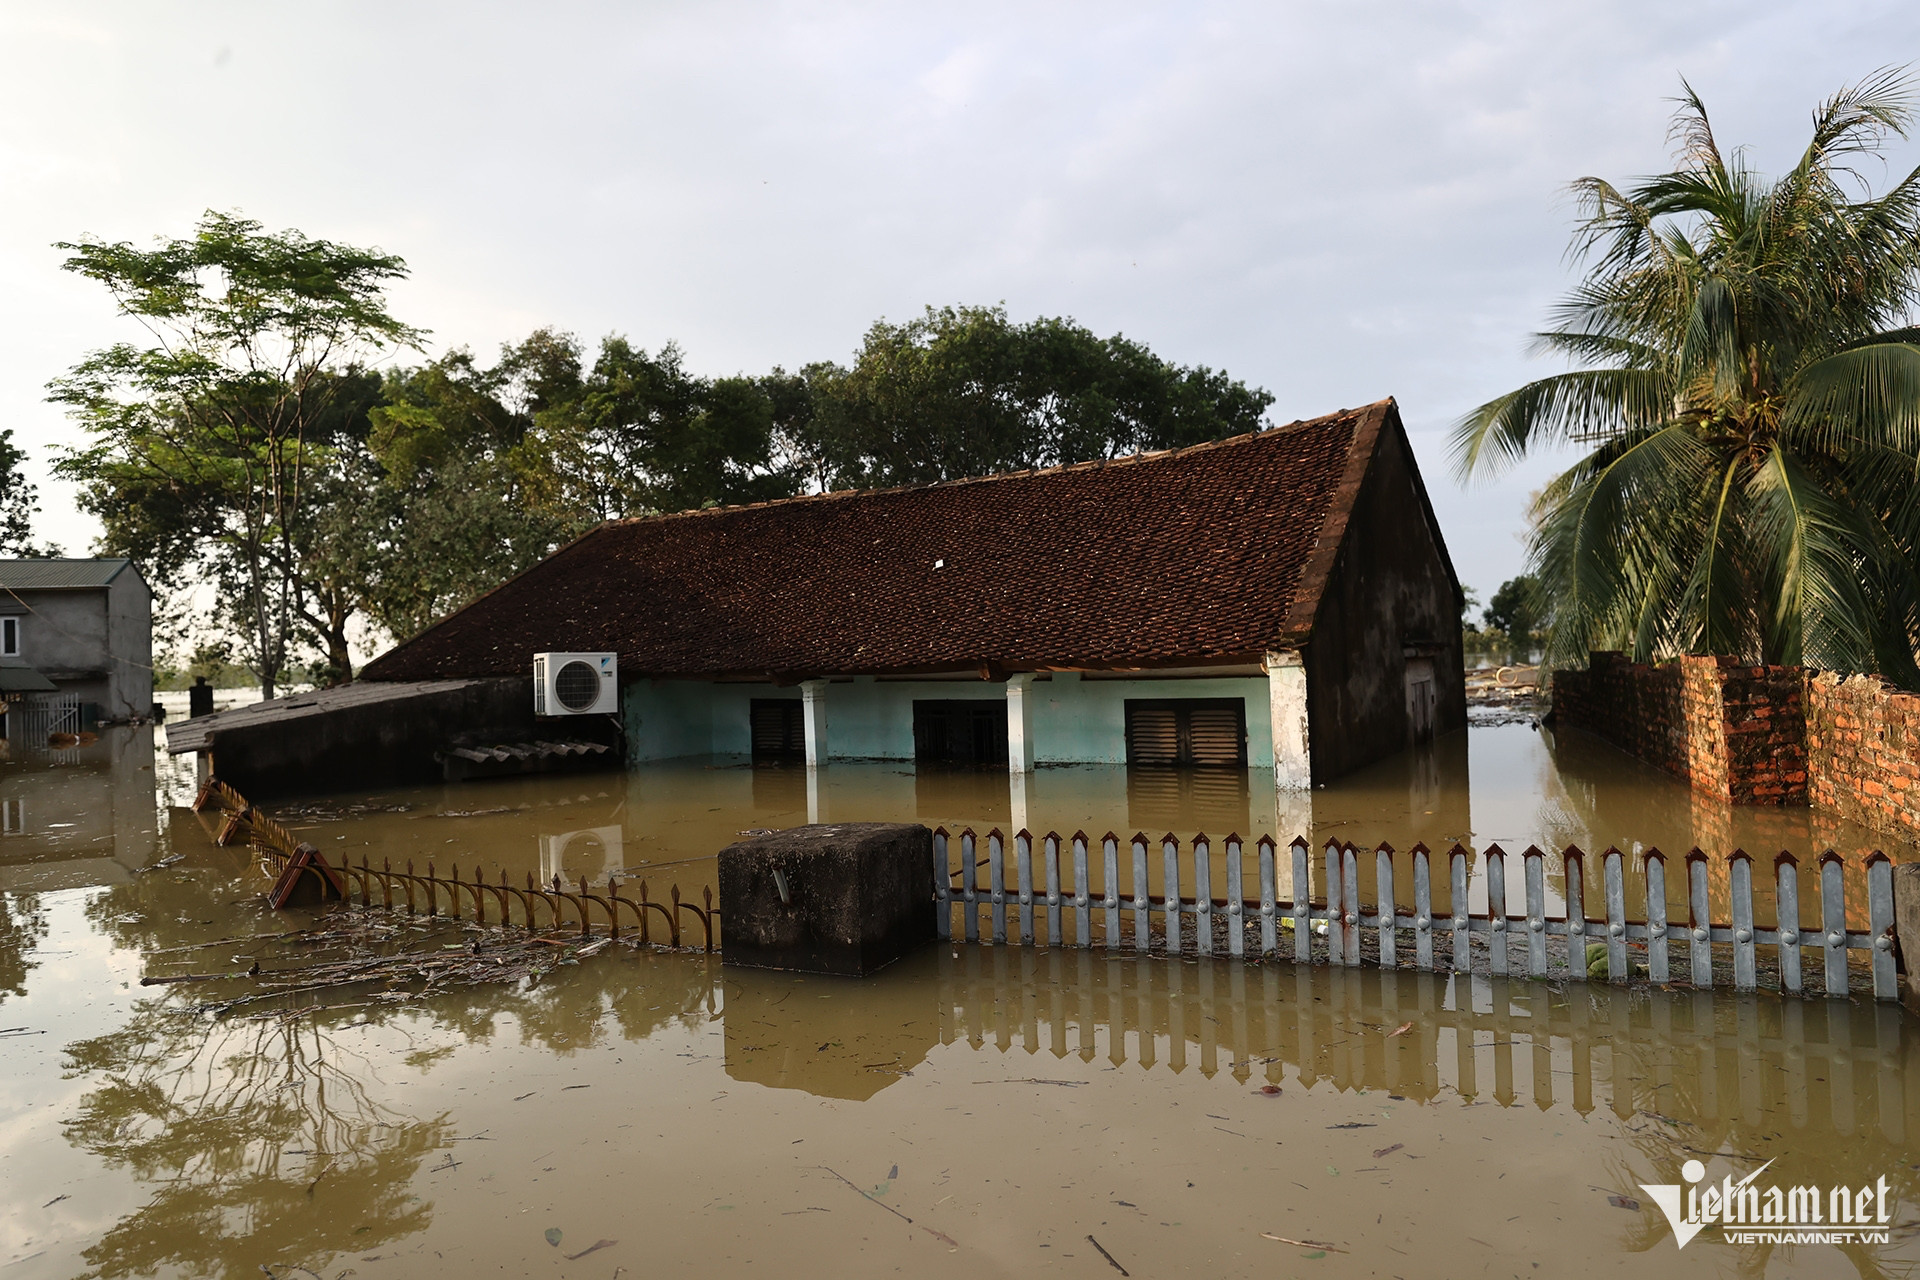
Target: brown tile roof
(1213,552)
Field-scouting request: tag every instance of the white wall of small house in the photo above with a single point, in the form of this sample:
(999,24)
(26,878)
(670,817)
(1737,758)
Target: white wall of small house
(1072,720)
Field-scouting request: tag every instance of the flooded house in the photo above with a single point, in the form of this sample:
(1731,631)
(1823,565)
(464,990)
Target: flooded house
(1278,601)
(76,643)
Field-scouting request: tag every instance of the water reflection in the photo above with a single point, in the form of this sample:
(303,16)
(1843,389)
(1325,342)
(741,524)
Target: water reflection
(23,925)
(255,1138)
(81,816)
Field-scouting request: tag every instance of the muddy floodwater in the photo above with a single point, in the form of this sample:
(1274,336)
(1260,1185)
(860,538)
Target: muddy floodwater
(970,1111)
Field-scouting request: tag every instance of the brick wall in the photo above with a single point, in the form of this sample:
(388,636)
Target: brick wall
(1863,751)
(1850,747)
(1733,732)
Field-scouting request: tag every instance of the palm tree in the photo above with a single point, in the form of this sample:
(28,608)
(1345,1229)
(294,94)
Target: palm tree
(1752,402)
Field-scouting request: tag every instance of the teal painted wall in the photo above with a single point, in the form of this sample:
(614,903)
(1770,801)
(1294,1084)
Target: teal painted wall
(1078,721)
(1074,721)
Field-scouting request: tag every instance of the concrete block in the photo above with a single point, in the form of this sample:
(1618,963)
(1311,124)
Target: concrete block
(844,898)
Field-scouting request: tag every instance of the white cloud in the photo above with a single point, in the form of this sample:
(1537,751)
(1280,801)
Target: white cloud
(1336,202)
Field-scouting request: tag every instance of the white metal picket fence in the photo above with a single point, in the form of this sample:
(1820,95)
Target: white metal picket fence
(1329,929)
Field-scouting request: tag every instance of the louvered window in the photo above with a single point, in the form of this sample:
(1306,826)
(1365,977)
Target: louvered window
(779,729)
(1186,731)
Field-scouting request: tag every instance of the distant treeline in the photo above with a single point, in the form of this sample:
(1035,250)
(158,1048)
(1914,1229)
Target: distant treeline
(264,451)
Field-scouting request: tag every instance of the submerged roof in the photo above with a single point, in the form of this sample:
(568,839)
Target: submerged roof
(196,733)
(1215,552)
(23,575)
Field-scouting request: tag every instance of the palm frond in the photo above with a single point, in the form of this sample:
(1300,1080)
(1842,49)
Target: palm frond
(1587,404)
(1811,547)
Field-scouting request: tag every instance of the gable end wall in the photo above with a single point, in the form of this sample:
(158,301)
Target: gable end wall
(1390,587)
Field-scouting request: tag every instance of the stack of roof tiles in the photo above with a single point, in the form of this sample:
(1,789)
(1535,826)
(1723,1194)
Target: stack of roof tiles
(1209,553)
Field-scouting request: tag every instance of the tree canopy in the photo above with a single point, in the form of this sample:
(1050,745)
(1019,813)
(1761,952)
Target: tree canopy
(205,443)
(1751,399)
(251,444)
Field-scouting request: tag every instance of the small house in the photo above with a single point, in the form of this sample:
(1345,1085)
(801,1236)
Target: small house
(1281,600)
(79,632)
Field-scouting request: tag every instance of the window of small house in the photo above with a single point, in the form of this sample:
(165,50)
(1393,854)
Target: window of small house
(1186,731)
(779,729)
(10,637)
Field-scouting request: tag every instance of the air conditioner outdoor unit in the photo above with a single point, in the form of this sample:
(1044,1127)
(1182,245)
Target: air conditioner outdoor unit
(575,684)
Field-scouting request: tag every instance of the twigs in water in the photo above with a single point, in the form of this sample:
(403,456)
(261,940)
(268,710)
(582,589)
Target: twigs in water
(941,1236)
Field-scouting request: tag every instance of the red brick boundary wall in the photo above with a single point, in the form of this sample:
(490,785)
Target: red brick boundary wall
(1758,735)
(1736,733)
(1863,751)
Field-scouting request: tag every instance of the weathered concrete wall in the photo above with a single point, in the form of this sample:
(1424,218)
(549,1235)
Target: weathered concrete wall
(1390,590)
(129,607)
(1733,732)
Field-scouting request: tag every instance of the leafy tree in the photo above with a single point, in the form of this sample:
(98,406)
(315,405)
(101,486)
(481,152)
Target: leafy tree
(964,391)
(643,435)
(204,446)
(18,503)
(450,505)
(1513,608)
(1751,402)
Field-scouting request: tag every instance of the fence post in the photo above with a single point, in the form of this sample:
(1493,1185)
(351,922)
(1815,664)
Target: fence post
(1302,904)
(997,884)
(970,884)
(1269,899)
(1616,916)
(1142,917)
(1497,909)
(1384,916)
(1110,873)
(1833,911)
(1050,852)
(1740,890)
(1170,886)
(1533,863)
(1880,925)
(1576,864)
(1202,894)
(1422,907)
(1350,892)
(1457,894)
(1236,903)
(1336,920)
(1700,945)
(942,887)
(1786,916)
(1655,867)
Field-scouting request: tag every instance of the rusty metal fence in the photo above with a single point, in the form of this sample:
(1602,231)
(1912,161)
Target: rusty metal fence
(541,907)
(1330,929)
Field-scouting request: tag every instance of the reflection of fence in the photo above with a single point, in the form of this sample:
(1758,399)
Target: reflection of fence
(387,887)
(1835,1065)
(1515,944)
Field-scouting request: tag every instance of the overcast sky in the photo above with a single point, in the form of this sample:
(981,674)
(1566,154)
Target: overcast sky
(1336,202)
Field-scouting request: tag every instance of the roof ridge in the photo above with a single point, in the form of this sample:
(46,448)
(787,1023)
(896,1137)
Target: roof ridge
(1059,468)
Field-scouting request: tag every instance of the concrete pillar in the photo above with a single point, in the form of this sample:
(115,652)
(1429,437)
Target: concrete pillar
(1020,724)
(1287,708)
(1020,782)
(813,703)
(816,797)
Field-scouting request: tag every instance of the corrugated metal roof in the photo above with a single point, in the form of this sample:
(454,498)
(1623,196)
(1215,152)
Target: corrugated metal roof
(22,575)
(192,734)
